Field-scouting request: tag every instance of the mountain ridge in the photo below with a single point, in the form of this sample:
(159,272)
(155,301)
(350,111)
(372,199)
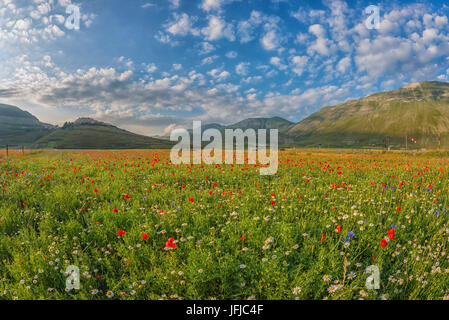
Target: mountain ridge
(386,119)
(418,110)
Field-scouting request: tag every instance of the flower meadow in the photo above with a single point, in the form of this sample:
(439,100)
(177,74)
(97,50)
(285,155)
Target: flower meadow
(139,227)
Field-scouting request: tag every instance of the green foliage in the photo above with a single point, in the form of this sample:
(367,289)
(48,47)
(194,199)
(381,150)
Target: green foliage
(239,235)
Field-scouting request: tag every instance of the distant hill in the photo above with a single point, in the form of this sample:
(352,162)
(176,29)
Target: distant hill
(418,110)
(386,119)
(263,123)
(279,123)
(18,127)
(86,133)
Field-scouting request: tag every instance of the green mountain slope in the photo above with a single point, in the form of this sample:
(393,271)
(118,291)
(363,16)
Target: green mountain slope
(18,127)
(418,110)
(87,133)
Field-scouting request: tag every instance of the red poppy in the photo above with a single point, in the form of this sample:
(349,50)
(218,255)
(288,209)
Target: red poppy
(127,196)
(399,209)
(121,233)
(383,242)
(144,236)
(391,234)
(273,202)
(191,200)
(243,237)
(323,236)
(115,210)
(338,229)
(170,245)
(95,190)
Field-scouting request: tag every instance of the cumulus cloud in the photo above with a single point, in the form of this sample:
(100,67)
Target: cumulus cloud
(182,25)
(217,28)
(41,20)
(242,68)
(214,5)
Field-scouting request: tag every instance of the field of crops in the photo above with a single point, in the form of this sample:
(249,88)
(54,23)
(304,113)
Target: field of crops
(138,227)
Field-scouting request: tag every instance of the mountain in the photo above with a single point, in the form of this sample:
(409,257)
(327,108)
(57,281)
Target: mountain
(86,133)
(18,127)
(417,110)
(263,123)
(254,123)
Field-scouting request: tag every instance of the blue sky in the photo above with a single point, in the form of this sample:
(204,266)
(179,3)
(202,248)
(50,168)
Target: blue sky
(151,65)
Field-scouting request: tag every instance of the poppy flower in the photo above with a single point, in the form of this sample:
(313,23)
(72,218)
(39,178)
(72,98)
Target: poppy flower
(391,234)
(383,242)
(115,210)
(144,236)
(170,245)
(127,196)
(338,229)
(121,233)
(323,237)
(191,200)
(273,202)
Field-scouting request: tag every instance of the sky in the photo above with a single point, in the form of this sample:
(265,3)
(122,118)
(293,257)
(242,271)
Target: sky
(150,66)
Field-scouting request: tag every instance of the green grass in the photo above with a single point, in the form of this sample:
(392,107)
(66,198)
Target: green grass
(44,228)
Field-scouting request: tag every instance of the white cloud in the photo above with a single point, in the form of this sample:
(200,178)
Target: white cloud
(270,40)
(174,3)
(182,25)
(322,44)
(299,63)
(147,5)
(209,60)
(218,74)
(217,29)
(344,64)
(39,20)
(214,5)
(245,29)
(242,68)
(276,61)
(150,68)
(206,48)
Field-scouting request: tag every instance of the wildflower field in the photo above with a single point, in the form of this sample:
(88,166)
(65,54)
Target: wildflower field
(138,227)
